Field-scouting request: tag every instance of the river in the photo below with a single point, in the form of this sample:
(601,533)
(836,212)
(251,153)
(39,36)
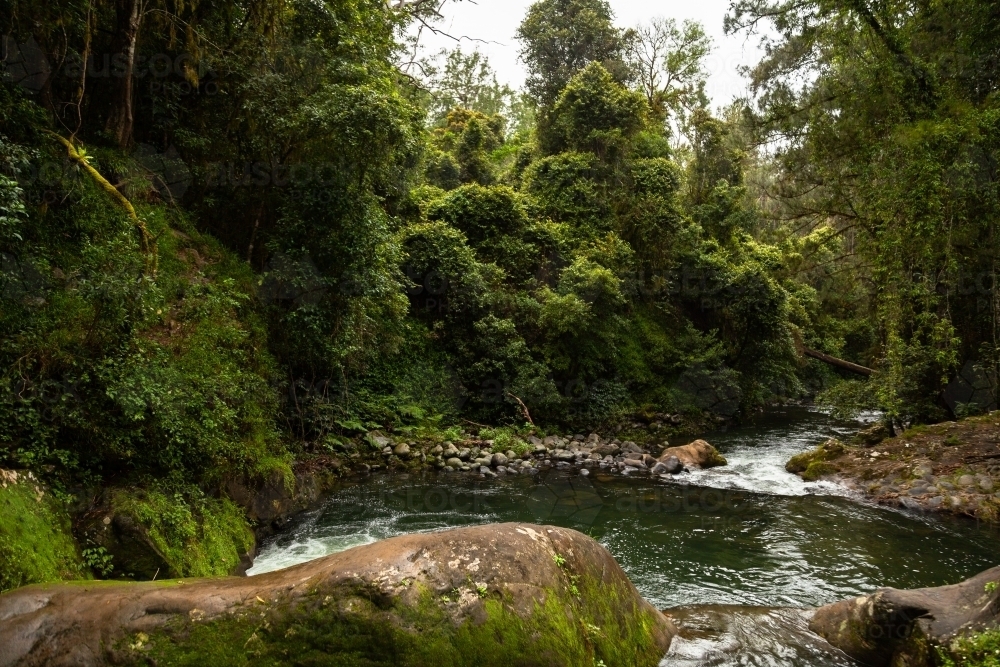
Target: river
(748,534)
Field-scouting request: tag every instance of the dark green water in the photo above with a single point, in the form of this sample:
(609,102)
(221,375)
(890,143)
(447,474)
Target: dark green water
(747,534)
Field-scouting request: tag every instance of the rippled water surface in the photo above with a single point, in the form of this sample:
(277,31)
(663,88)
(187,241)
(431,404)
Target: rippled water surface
(747,534)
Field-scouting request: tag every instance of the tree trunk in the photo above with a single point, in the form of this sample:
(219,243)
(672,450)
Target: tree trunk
(839,363)
(120,121)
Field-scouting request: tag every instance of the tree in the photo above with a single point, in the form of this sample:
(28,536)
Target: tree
(669,61)
(465,81)
(884,128)
(561,37)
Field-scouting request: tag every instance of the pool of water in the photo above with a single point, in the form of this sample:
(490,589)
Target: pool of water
(748,534)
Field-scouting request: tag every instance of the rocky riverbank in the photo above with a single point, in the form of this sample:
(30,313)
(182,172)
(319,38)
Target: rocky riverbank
(952,467)
(489,459)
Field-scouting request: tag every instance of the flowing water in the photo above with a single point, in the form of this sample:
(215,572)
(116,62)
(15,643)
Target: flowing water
(748,534)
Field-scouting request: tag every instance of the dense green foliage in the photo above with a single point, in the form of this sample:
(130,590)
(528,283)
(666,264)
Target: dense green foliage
(268,238)
(888,158)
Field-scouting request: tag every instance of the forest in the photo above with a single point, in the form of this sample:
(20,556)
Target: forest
(239,235)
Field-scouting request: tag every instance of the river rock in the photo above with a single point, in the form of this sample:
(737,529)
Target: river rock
(436,598)
(966,480)
(902,627)
(671,465)
(499,459)
(402,450)
(871,436)
(635,463)
(698,454)
(454,462)
(450,451)
(607,449)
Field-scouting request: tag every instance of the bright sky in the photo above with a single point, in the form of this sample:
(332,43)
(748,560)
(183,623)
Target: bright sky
(496,21)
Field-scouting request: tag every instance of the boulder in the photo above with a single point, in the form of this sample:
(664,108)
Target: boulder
(904,627)
(607,449)
(402,450)
(516,593)
(698,454)
(871,436)
(499,459)
(671,465)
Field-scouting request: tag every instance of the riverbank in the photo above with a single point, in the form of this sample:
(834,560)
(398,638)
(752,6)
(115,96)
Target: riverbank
(952,467)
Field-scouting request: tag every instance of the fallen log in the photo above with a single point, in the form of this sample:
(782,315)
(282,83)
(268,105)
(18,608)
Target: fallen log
(839,363)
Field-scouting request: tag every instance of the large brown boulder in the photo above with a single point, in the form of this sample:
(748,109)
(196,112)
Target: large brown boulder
(507,594)
(698,454)
(903,627)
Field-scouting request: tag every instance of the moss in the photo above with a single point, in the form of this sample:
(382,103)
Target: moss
(818,469)
(200,537)
(358,628)
(815,463)
(975,650)
(36,544)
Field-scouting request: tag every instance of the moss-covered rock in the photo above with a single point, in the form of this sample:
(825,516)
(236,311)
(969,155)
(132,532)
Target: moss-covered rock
(151,533)
(815,464)
(36,544)
(509,594)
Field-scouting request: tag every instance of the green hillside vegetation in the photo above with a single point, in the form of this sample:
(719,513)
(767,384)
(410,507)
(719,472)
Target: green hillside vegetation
(262,235)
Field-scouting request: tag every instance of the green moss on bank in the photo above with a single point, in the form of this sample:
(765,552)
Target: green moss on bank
(36,544)
(352,628)
(195,536)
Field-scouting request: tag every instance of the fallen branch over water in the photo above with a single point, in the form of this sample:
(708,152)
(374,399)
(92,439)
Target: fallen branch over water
(839,363)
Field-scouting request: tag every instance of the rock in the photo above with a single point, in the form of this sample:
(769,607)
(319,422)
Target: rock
(454,462)
(985,483)
(813,465)
(911,504)
(534,441)
(934,503)
(550,442)
(671,465)
(402,450)
(379,440)
(903,627)
(438,450)
(448,590)
(499,459)
(635,463)
(629,446)
(698,454)
(966,480)
(483,470)
(871,436)
(593,438)
(450,451)
(584,472)
(540,449)
(465,454)
(563,455)
(606,449)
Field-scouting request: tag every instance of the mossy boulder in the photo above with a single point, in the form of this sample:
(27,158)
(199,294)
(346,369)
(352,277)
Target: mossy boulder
(507,594)
(891,627)
(36,544)
(815,464)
